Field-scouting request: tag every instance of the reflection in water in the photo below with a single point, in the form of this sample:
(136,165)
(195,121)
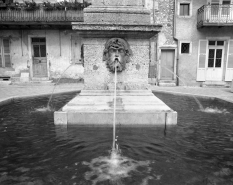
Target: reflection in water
(198,151)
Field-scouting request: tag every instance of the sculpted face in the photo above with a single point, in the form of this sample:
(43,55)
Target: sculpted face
(116,58)
(116,54)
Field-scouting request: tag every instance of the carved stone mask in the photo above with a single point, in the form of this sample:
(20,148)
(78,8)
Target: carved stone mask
(116,54)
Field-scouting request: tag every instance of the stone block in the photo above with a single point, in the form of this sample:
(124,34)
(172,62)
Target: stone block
(171,118)
(60,118)
(24,77)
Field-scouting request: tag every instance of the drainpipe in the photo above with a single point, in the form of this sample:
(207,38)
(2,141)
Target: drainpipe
(175,38)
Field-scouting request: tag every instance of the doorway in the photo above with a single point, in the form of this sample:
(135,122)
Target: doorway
(215,61)
(167,64)
(39,57)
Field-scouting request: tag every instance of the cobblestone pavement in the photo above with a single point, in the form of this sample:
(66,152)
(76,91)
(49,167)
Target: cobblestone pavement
(8,92)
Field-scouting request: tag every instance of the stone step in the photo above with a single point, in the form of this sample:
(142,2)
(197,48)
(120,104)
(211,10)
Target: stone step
(215,84)
(167,83)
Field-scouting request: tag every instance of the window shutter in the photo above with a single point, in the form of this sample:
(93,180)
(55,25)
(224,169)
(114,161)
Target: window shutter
(203,44)
(6,46)
(229,66)
(1,53)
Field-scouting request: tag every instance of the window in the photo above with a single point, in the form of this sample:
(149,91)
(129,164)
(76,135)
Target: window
(39,47)
(184,9)
(216,43)
(185,48)
(5,60)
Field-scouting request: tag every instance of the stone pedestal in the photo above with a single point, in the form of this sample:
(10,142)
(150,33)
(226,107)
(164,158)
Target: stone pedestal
(136,105)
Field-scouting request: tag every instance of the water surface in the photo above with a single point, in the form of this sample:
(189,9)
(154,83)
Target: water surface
(198,151)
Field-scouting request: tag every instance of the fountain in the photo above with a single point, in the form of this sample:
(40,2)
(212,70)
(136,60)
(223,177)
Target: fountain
(116,34)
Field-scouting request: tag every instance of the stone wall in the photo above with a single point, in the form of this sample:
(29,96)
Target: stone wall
(164,15)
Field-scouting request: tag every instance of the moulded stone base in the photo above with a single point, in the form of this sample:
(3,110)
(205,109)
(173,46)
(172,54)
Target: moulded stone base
(95,107)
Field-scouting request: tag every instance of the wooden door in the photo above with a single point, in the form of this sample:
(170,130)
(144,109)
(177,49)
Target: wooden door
(39,57)
(167,65)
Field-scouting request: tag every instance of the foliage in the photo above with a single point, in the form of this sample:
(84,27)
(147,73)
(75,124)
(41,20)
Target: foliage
(48,6)
(14,6)
(65,5)
(30,6)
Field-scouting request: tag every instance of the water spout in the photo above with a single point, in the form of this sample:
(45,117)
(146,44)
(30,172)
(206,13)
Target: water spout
(114,111)
(48,104)
(197,101)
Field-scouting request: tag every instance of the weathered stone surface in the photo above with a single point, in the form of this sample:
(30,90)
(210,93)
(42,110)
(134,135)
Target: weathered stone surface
(165,17)
(117,3)
(122,11)
(135,76)
(117,18)
(60,118)
(119,29)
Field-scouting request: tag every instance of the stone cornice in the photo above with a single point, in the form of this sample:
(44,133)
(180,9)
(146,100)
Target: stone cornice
(116,9)
(116,27)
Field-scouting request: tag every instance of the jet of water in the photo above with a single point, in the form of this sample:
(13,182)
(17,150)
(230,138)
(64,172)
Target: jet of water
(195,98)
(48,104)
(114,112)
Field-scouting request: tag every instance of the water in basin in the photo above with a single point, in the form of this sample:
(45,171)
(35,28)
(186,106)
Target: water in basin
(199,150)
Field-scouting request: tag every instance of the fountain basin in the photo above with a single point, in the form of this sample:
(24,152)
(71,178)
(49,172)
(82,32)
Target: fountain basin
(133,107)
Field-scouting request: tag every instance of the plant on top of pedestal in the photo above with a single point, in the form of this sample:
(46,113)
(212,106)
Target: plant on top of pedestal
(31,6)
(48,6)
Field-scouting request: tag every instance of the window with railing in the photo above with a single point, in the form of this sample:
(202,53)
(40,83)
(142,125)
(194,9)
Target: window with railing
(215,14)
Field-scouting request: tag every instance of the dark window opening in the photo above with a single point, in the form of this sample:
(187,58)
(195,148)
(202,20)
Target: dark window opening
(184,9)
(38,40)
(211,43)
(185,47)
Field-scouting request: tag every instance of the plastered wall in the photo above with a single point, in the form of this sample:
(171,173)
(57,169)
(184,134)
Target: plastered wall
(58,46)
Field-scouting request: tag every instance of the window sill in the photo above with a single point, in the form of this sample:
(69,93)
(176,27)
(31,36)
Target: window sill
(184,16)
(185,53)
(8,68)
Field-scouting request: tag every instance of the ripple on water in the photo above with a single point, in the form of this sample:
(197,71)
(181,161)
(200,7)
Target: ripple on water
(215,110)
(44,109)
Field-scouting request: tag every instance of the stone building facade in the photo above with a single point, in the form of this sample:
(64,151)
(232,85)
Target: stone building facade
(39,45)
(204,33)
(44,50)
(164,46)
